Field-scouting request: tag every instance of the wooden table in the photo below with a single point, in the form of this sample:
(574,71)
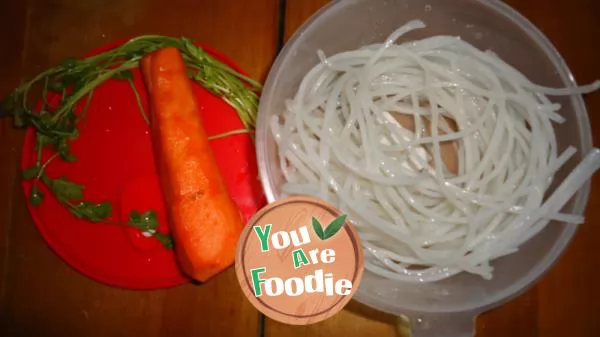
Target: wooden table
(41,296)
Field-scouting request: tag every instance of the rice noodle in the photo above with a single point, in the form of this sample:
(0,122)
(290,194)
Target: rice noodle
(339,140)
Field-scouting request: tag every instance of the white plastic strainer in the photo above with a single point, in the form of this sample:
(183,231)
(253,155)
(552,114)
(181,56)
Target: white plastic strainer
(448,307)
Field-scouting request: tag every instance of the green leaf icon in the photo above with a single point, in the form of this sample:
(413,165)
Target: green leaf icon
(331,229)
(318,229)
(335,226)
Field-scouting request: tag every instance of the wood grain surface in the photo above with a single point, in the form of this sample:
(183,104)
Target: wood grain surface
(41,296)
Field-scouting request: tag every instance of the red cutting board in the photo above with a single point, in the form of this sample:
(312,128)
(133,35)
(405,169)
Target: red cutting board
(115,163)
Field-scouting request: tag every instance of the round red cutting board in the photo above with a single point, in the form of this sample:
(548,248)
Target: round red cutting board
(115,163)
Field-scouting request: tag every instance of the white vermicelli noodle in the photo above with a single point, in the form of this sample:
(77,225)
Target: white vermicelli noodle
(420,220)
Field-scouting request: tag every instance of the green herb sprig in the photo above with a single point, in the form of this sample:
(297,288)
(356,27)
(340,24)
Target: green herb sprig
(75,80)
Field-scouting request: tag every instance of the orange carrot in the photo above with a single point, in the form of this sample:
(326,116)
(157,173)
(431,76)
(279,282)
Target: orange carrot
(145,68)
(204,220)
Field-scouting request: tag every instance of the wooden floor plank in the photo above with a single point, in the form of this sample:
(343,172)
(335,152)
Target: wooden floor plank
(45,297)
(12,33)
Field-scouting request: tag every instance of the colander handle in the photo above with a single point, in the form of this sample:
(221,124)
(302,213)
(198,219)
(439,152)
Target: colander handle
(437,325)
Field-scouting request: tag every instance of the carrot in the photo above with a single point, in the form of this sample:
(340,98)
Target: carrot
(204,220)
(145,64)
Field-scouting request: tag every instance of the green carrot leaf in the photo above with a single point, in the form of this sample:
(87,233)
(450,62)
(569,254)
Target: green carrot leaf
(64,149)
(143,221)
(148,223)
(56,86)
(165,239)
(69,63)
(64,189)
(196,52)
(124,75)
(43,139)
(30,172)
(19,118)
(91,211)
(36,197)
